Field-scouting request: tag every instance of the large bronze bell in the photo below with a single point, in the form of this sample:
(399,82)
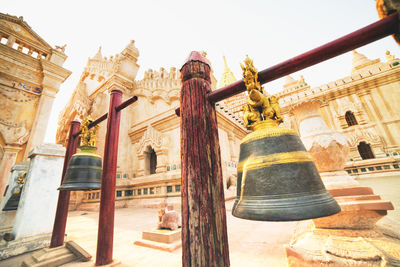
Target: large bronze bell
(277,178)
(84,171)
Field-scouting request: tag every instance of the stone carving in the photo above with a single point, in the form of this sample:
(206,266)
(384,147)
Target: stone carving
(159,85)
(344,105)
(368,135)
(61,48)
(168,219)
(14,135)
(150,137)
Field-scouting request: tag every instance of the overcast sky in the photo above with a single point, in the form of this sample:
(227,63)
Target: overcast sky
(166,31)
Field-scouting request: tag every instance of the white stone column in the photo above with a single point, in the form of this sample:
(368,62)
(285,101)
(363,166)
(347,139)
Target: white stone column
(37,207)
(41,119)
(9,157)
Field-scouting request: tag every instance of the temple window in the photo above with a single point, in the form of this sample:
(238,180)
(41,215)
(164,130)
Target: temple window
(150,161)
(365,151)
(169,189)
(350,118)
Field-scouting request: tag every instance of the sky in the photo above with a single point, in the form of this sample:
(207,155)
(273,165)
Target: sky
(165,32)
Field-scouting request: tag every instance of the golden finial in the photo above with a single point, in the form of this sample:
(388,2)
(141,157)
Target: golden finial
(250,75)
(260,107)
(88,136)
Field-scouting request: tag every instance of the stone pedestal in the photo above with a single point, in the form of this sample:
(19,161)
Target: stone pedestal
(35,215)
(167,240)
(350,237)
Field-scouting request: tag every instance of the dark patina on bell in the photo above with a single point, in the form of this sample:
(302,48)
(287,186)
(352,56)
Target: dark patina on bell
(84,171)
(277,178)
(12,203)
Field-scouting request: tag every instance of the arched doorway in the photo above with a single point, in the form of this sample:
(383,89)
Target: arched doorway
(365,150)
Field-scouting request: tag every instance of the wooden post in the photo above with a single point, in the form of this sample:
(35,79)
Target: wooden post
(60,221)
(108,181)
(204,234)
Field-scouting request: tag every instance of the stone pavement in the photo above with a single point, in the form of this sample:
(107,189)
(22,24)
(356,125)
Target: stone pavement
(251,243)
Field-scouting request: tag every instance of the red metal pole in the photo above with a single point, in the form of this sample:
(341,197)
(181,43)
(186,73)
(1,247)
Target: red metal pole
(363,36)
(60,222)
(107,202)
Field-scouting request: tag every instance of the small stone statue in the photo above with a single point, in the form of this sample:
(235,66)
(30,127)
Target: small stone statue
(168,218)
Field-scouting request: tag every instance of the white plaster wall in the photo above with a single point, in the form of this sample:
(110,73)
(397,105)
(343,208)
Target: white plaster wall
(37,207)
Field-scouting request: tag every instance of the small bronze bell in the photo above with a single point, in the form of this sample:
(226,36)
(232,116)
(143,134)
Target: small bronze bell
(12,202)
(277,178)
(84,168)
(84,171)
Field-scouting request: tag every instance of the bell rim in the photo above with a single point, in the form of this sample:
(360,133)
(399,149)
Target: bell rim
(289,209)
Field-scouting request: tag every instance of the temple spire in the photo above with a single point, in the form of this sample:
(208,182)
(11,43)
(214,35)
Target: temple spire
(98,54)
(360,61)
(227,76)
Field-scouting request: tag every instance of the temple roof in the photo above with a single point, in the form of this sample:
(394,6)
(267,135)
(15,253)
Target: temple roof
(17,27)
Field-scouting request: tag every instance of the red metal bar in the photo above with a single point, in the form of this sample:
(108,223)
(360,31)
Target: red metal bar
(119,108)
(366,35)
(127,103)
(108,183)
(60,221)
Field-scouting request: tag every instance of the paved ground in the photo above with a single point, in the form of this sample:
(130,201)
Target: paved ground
(251,243)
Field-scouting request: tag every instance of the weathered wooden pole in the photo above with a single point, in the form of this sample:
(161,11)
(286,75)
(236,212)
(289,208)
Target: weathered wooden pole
(60,221)
(105,234)
(204,234)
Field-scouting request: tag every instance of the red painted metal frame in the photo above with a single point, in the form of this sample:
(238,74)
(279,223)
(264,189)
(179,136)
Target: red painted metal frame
(108,183)
(60,221)
(375,31)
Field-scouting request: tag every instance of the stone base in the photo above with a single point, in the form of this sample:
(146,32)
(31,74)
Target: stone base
(328,247)
(23,245)
(49,257)
(165,240)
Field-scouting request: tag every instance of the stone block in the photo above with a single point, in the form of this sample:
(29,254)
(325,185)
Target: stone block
(162,236)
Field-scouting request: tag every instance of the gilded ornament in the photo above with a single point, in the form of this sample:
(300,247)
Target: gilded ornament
(259,107)
(88,136)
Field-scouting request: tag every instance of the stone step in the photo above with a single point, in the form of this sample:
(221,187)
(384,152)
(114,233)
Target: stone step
(351,191)
(47,253)
(51,262)
(359,197)
(49,257)
(367,205)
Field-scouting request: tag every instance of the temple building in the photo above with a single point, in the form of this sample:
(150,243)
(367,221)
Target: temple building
(30,76)
(148,172)
(148,168)
(362,106)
